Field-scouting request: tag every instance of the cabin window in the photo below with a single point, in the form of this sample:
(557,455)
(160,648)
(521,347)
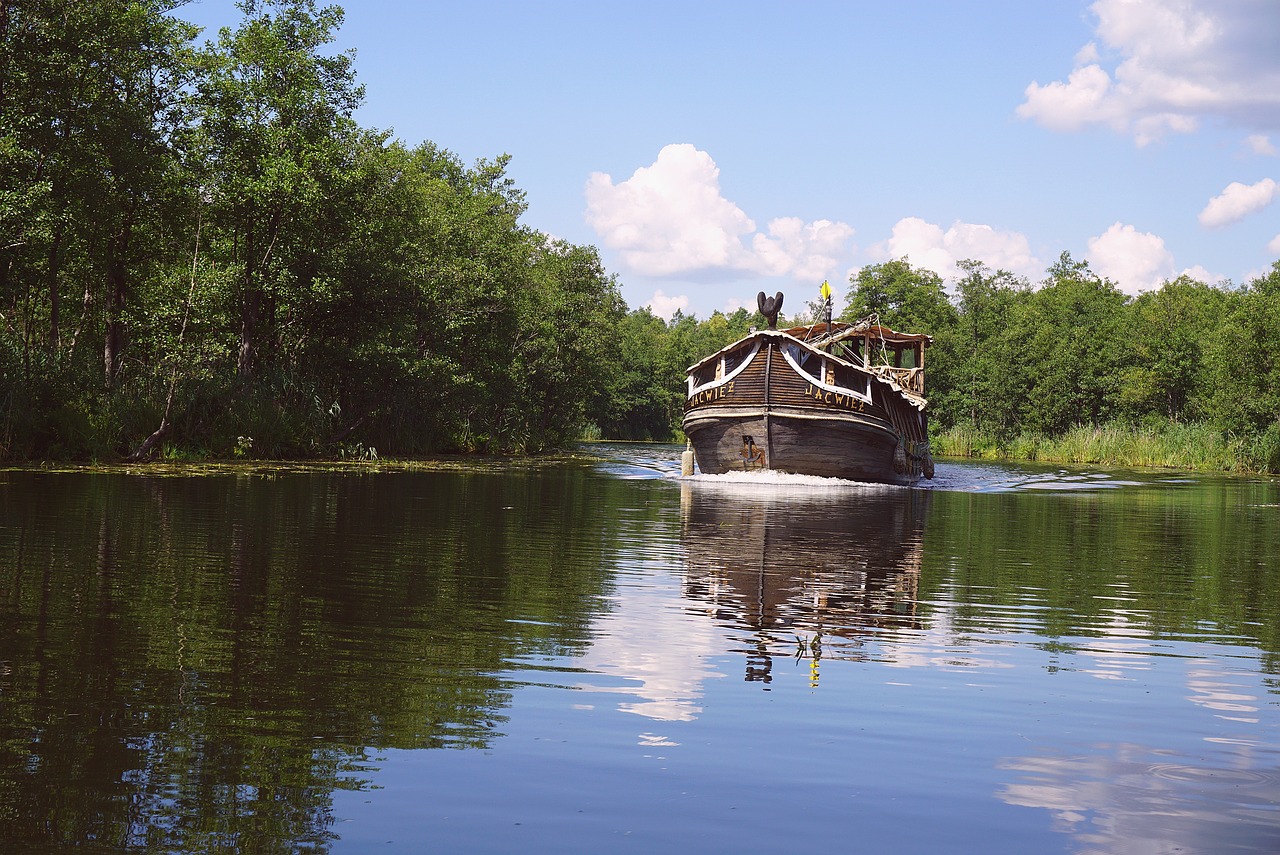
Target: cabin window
(908,356)
(705,374)
(851,350)
(811,365)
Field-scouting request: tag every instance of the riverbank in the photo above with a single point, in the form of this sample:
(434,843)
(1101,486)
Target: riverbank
(1189,446)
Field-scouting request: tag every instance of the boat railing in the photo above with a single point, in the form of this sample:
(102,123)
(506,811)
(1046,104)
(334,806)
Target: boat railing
(910,379)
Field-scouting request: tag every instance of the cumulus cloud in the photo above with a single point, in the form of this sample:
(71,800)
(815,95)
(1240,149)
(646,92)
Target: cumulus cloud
(927,245)
(665,307)
(1069,106)
(1238,201)
(1201,274)
(1273,245)
(1136,261)
(1175,63)
(1260,144)
(670,219)
(803,250)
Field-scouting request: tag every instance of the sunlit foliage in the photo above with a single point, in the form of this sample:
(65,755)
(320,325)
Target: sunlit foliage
(203,253)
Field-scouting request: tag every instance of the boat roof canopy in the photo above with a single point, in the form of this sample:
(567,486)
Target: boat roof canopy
(880,331)
(813,335)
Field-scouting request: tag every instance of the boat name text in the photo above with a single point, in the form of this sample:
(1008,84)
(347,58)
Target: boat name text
(707,396)
(835,399)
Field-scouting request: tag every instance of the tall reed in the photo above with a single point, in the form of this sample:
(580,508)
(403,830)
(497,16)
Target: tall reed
(1172,445)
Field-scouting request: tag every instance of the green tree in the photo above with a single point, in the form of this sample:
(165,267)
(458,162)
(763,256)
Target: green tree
(1245,362)
(906,298)
(1167,331)
(985,374)
(911,299)
(89,92)
(471,261)
(562,344)
(1073,348)
(273,125)
(638,396)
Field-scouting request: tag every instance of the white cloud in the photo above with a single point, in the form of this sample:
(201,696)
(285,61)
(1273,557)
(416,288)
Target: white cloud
(807,251)
(1072,105)
(1135,261)
(1176,62)
(1202,274)
(1260,144)
(665,307)
(1087,55)
(1274,245)
(670,219)
(1238,201)
(927,245)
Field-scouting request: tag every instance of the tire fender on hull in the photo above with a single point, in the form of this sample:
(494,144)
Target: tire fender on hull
(900,458)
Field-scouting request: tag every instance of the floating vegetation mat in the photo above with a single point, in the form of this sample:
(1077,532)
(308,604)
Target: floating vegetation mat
(277,468)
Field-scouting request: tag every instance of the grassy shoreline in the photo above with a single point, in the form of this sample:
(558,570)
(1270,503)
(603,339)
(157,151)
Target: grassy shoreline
(1188,446)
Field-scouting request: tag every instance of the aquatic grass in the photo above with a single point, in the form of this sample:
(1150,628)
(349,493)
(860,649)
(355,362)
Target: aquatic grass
(1173,445)
(966,440)
(1026,446)
(1264,450)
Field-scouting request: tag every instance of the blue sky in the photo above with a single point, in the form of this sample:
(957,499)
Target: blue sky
(715,149)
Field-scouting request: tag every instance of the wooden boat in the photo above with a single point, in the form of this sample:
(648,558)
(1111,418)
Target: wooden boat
(831,399)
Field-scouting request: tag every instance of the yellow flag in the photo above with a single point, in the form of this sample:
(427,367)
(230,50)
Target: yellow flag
(825,290)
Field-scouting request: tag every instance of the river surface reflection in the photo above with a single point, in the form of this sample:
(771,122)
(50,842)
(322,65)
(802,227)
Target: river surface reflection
(597,655)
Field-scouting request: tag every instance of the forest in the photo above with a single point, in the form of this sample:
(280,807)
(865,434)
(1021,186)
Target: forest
(204,255)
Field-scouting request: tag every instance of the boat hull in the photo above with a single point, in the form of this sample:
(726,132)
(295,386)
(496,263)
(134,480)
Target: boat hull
(826,446)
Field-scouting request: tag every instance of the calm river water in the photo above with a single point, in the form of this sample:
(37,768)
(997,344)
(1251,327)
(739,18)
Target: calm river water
(588,657)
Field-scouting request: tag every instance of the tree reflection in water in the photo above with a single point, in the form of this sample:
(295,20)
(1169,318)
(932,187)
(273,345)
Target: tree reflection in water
(198,664)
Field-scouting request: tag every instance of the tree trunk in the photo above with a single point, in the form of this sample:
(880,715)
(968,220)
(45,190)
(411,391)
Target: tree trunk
(117,294)
(250,309)
(55,300)
(113,342)
(255,306)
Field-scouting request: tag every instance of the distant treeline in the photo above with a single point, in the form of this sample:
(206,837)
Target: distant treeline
(202,253)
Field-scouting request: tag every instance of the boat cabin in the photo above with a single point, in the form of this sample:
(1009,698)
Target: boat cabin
(873,347)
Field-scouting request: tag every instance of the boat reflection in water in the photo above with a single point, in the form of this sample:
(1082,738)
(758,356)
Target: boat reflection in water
(810,567)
